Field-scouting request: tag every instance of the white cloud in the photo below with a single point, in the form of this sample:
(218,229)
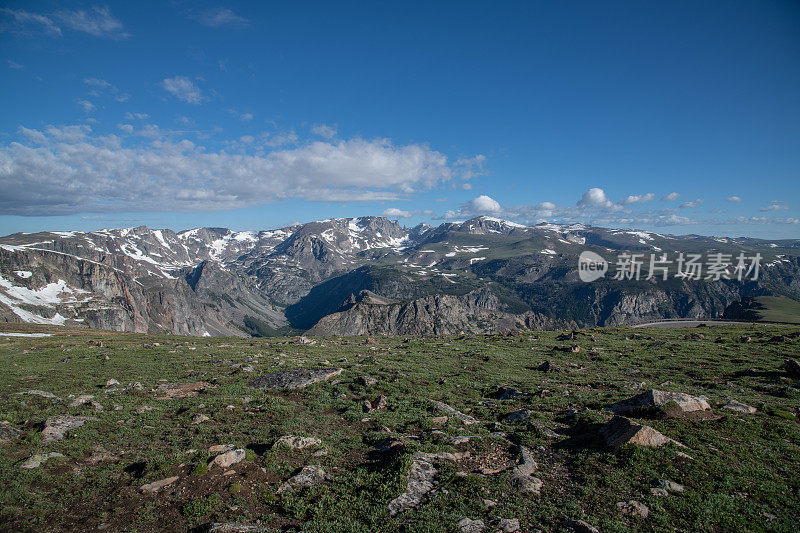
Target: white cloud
(775,205)
(86,105)
(393,212)
(220,17)
(34,135)
(324,131)
(63,170)
(473,167)
(594,198)
(98,22)
(670,197)
(483,204)
(636,198)
(22,21)
(183,89)
(695,203)
(244,117)
(15,65)
(137,116)
(735,199)
(127,128)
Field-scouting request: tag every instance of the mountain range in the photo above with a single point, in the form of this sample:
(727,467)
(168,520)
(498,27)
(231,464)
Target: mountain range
(368,275)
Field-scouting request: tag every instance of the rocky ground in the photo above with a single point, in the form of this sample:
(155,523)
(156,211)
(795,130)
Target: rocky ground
(607,429)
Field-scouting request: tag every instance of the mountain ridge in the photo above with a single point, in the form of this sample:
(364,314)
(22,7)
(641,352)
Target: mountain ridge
(216,281)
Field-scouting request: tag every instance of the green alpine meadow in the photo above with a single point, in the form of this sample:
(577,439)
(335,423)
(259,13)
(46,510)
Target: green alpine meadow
(607,429)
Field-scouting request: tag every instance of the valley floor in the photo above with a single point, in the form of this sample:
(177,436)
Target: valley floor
(165,433)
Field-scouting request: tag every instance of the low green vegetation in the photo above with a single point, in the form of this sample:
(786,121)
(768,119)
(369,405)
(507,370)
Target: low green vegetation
(740,474)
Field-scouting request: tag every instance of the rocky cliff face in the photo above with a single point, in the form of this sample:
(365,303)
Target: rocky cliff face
(478,311)
(482,275)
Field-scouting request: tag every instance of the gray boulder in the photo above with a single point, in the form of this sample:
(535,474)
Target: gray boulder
(293,379)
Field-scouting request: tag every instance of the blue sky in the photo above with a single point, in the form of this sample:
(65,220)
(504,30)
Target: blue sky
(681,117)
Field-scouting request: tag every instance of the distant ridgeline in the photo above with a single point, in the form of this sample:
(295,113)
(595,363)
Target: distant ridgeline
(371,276)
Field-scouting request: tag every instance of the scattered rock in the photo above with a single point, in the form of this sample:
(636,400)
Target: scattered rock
(158,485)
(57,427)
(307,477)
(8,432)
(200,418)
(670,486)
(503,393)
(389,443)
(467,525)
(522,474)
(380,403)
(35,461)
(297,443)
(420,480)
(508,525)
(439,420)
(43,394)
(111,382)
(620,431)
(227,459)
(144,409)
(579,526)
(657,491)
(792,367)
(220,448)
(293,379)
(181,390)
(305,340)
(234,527)
(633,508)
(739,407)
(85,399)
(443,407)
(657,398)
(522,414)
(367,381)
(549,366)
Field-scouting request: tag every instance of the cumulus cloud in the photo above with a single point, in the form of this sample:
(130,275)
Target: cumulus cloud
(636,198)
(594,198)
(695,203)
(734,199)
(324,131)
(394,212)
(220,17)
(183,89)
(671,197)
(484,204)
(64,170)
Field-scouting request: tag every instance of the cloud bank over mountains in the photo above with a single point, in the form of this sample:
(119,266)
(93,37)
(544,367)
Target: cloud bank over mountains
(66,170)
(70,170)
